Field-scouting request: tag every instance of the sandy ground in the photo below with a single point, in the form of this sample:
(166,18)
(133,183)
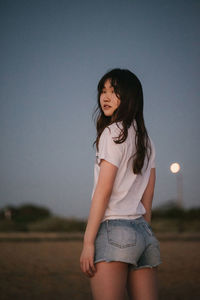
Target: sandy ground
(50,270)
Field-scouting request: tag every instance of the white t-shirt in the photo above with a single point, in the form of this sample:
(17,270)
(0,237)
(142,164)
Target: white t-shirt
(128,188)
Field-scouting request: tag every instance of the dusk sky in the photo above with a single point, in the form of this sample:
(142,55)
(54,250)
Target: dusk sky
(53,54)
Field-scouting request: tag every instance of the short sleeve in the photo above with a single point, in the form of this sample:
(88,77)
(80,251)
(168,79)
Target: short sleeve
(108,149)
(153,165)
(153,155)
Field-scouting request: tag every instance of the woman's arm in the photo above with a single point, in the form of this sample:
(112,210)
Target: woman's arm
(147,197)
(99,204)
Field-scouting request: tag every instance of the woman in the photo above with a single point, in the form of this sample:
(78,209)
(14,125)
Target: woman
(120,249)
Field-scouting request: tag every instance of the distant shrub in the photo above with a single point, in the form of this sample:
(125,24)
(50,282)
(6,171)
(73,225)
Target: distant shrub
(10,208)
(30,213)
(193,214)
(17,218)
(177,213)
(58,224)
(10,226)
(170,213)
(26,213)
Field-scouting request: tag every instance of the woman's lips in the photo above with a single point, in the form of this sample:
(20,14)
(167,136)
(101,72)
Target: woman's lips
(106,106)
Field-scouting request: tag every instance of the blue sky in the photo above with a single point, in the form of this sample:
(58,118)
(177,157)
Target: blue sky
(52,55)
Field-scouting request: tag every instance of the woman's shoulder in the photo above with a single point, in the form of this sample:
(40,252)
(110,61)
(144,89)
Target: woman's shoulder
(111,132)
(114,128)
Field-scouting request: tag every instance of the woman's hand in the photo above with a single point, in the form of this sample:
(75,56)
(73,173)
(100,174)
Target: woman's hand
(87,260)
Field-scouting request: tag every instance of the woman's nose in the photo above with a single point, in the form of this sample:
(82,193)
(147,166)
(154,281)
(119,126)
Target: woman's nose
(106,98)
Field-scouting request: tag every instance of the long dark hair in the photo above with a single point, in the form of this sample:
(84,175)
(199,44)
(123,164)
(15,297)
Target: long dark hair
(128,89)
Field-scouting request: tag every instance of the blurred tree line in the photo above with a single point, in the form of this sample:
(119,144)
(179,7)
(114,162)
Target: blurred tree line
(170,217)
(24,213)
(170,210)
(30,217)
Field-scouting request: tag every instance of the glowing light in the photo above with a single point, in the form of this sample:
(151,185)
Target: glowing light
(175,167)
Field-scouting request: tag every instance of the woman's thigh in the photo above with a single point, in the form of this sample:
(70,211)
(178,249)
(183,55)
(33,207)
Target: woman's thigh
(109,281)
(142,284)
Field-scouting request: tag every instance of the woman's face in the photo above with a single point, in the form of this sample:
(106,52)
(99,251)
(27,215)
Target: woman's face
(108,100)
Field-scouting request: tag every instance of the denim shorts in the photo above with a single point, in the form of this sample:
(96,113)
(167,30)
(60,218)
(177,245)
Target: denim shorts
(130,241)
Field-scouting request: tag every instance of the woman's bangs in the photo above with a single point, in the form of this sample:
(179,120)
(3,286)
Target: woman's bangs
(115,84)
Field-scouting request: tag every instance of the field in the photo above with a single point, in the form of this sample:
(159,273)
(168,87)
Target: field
(49,269)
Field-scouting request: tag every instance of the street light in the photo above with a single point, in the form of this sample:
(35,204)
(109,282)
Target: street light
(176,169)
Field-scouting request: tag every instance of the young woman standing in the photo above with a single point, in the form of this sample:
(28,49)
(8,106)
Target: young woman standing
(120,249)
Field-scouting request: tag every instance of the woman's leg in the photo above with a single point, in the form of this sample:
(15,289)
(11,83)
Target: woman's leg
(109,281)
(142,284)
